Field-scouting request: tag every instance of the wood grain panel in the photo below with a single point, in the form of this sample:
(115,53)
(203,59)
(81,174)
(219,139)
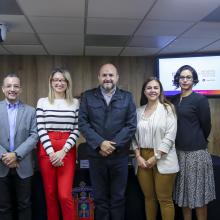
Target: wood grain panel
(214,138)
(35,70)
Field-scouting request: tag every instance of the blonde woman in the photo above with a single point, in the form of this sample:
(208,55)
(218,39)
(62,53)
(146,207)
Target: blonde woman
(57,122)
(155,152)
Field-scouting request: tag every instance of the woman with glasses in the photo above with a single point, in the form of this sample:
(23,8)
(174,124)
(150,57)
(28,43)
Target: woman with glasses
(155,152)
(195,182)
(57,122)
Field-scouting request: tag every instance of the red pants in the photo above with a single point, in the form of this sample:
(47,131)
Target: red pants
(58,181)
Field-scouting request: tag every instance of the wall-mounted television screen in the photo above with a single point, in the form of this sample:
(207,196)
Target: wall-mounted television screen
(207,67)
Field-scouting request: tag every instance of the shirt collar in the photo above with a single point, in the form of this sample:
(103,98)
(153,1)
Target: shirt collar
(14,105)
(108,94)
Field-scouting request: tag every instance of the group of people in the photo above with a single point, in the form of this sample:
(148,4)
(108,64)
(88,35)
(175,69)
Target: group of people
(165,127)
(169,139)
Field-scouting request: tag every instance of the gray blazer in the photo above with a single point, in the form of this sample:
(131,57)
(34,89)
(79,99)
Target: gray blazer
(25,140)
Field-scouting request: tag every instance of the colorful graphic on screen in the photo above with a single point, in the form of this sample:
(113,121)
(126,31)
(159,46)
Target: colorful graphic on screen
(207,67)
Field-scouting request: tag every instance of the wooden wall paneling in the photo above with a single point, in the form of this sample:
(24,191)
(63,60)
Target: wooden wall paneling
(77,66)
(35,70)
(44,65)
(29,80)
(214,138)
(14,65)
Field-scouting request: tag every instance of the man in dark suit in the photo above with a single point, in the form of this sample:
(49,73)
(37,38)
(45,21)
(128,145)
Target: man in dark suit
(18,136)
(107,119)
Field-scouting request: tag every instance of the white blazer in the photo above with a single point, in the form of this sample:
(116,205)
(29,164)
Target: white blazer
(164,134)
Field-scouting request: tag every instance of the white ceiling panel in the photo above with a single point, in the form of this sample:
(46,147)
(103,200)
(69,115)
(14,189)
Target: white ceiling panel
(151,42)
(68,8)
(63,44)
(154,28)
(16,23)
(105,51)
(21,38)
(174,50)
(187,45)
(111,26)
(119,8)
(204,29)
(139,51)
(215,47)
(58,25)
(26,49)
(179,10)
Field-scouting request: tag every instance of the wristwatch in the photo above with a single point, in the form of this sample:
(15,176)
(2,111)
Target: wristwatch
(157,156)
(18,157)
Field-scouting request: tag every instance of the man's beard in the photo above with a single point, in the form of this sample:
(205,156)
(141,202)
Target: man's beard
(108,85)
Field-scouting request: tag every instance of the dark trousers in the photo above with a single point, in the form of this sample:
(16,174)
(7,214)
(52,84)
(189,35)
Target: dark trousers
(15,197)
(109,181)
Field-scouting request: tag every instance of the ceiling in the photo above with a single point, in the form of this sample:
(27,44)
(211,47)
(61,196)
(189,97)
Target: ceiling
(110,27)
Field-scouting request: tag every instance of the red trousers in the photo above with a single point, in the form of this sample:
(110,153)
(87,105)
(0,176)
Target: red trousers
(58,181)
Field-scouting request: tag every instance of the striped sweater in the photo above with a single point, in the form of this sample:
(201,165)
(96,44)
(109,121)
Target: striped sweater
(59,116)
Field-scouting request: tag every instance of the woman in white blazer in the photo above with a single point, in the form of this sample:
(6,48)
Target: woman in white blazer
(156,159)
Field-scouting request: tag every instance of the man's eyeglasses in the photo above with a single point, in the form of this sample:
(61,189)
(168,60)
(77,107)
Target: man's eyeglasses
(188,78)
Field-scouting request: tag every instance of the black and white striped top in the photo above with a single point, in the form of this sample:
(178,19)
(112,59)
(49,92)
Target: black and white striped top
(59,116)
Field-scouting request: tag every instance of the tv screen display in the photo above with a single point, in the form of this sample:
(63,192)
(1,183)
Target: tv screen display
(207,67)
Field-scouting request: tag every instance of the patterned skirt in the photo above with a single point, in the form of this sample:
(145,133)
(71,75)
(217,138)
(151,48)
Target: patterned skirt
(195,186)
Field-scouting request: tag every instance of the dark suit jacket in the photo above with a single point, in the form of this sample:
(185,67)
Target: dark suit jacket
(25,140)
(115,122)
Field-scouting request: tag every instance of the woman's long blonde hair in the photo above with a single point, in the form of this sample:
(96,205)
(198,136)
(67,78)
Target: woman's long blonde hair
(68,92)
